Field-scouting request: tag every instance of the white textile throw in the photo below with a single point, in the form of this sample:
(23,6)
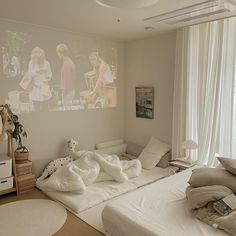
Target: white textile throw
(88,168)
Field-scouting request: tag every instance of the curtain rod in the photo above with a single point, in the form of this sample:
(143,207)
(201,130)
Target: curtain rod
(207,21)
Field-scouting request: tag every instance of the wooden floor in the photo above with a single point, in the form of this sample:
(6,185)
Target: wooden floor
(73,225)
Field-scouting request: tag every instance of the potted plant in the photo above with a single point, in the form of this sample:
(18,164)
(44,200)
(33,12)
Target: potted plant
(21,153)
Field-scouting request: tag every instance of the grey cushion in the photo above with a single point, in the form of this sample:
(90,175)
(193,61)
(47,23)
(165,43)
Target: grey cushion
(212,176)
(128,156)
(134,149)
(164,162)
(229,164)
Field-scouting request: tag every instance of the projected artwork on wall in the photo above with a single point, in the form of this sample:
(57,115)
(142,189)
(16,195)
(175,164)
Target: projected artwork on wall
(56,74)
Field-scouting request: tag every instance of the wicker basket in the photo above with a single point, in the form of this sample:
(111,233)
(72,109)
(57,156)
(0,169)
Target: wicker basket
(24,168)
(21,154)
(26,183)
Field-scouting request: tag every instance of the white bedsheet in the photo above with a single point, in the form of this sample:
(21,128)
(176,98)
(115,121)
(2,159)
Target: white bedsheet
(159,209)
(99,192)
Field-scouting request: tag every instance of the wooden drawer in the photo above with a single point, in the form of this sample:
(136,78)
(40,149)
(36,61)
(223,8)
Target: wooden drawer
(5,166)
(24,168)
(6,183)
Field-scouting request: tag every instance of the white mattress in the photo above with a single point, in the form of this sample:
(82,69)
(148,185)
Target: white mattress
(103,191)
(159,209)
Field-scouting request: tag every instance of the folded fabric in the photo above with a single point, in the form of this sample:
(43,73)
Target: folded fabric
(212,176)
(229,164)
(199,197)
(201,200)
(227,223)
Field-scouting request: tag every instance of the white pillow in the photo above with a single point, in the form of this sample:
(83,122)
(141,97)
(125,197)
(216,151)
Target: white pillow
(153,152)
(109,144)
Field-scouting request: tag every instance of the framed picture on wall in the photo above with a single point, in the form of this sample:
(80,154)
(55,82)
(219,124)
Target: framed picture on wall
(144,102)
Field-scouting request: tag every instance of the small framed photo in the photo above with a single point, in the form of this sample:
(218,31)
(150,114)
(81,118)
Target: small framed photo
(144,102)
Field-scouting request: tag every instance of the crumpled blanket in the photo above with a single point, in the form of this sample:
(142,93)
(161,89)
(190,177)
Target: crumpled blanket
(88,168)
(201,201)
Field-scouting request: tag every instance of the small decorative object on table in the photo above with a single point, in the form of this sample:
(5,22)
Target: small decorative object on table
(189,145)
(185,162)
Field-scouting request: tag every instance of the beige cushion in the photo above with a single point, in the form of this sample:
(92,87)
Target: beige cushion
(229,164)
(134,149)
(153,153)
(199,197)
(212,176)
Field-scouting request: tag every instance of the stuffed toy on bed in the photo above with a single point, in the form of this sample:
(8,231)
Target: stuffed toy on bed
(55,164)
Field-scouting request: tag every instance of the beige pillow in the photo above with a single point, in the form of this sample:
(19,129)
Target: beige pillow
(212,176)
(153,153)
(199,197)
(229,164)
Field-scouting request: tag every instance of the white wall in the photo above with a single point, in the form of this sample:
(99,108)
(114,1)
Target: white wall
(150,62)
(49,131)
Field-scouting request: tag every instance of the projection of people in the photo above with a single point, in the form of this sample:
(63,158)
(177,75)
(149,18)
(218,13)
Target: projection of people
(40,71)
(104,88)
(68,74)
(15,66)
(6,61)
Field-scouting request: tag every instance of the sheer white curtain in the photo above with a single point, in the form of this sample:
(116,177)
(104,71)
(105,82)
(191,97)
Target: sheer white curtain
(204,90)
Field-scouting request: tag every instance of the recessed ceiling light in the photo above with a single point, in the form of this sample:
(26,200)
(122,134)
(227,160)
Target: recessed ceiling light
(126,3)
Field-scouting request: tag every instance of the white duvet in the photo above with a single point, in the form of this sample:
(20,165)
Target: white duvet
(88,168)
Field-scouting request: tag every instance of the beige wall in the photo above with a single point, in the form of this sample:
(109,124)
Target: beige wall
(49,131)
(150,62)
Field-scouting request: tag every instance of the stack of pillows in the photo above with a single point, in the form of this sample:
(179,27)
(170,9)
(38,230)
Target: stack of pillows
(156,153)
(208,185)
(216,176)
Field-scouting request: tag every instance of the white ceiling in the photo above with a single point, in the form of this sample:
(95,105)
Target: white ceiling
(85,16)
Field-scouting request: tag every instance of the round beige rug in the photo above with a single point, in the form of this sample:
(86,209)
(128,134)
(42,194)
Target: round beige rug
(34,217)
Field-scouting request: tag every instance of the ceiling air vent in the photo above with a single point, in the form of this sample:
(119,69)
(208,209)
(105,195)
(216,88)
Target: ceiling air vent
(194,12)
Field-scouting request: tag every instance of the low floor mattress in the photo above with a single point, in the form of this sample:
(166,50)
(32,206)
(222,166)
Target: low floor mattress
(103,191)
(159,209)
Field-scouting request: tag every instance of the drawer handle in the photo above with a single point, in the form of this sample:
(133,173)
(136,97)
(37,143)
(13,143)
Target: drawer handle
(4,181)
(3,163)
